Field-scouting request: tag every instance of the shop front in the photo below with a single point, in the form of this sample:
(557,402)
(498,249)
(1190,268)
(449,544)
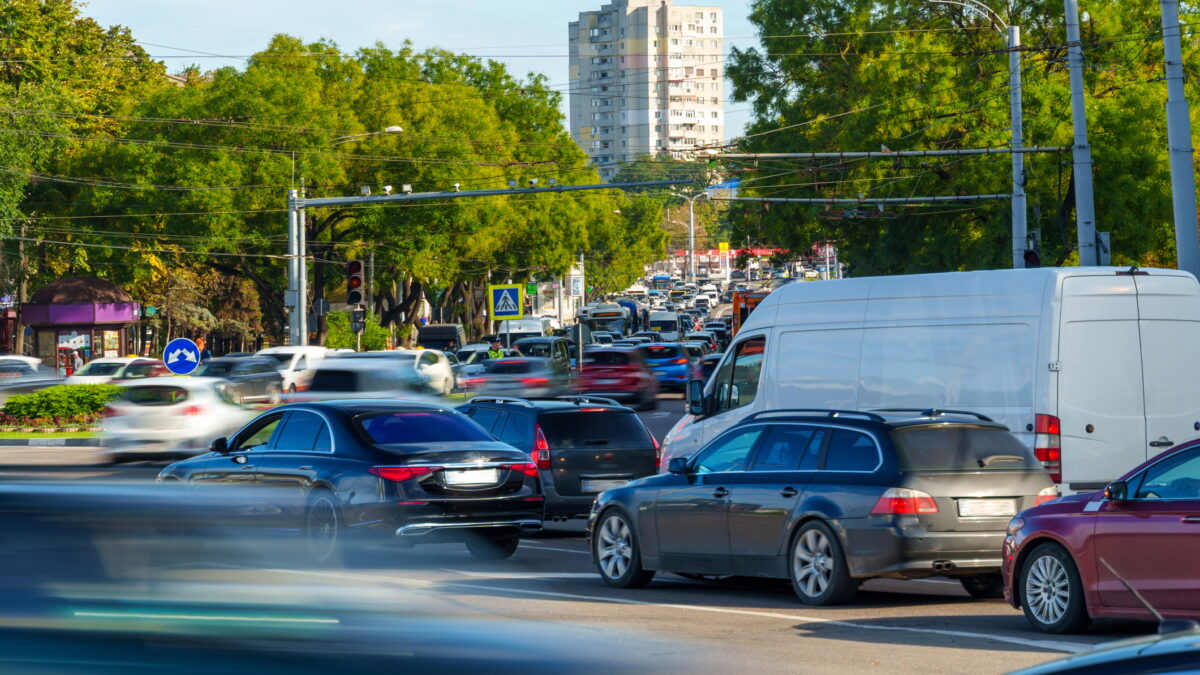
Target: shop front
(92,317)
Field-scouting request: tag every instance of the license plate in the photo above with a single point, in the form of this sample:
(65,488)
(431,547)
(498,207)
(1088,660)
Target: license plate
(602,485)
(976,508)
(470,476)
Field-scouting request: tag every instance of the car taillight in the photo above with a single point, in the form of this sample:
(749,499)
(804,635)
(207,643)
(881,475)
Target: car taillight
(401,473)
(472,381)
(680,361)
(903,502)
(110,411)
(657,452)
(529,468)
(1047,495)
(1047,444)
(193,410)
(541,449)
(534,381)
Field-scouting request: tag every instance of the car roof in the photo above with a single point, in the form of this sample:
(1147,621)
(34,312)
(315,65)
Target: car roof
(353,407)
(546,405)
(878,419)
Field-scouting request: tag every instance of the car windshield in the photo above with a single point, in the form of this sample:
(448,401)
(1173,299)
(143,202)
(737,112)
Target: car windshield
(157,395)
(606,358)
(99,369)
(594,429)
(211,369)
(961,448)
(135,370)
(421,427)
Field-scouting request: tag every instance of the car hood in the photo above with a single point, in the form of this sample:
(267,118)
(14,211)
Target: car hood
(1120,654)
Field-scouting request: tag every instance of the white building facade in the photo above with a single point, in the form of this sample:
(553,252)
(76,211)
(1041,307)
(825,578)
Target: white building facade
(647,78)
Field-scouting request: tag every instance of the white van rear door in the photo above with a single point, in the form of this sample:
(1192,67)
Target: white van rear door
(1169,307)
(1100,382)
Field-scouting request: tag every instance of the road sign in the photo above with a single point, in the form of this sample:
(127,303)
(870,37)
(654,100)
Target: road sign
(723,247)
(320,306)
(506,301)
(576,287)
(181,356)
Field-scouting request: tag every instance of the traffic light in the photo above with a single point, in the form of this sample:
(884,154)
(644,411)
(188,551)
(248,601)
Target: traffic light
(354,282)
(358,321)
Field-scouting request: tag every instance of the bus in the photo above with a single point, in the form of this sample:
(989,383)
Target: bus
(662,282)
(744,303)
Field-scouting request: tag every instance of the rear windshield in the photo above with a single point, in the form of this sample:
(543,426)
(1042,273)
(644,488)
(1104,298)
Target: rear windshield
(663,352)
(588,429)
(211,369)
(668,325)
(328,379)
(962,448)
(421,427)
(95,369)
(606,358)
(155,395)
(511,367)
(693,350)
(536,348)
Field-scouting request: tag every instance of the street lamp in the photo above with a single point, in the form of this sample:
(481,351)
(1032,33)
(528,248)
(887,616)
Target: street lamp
(346,139)
(691,200)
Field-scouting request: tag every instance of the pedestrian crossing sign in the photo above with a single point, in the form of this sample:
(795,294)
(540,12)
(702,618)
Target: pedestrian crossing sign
(506,301)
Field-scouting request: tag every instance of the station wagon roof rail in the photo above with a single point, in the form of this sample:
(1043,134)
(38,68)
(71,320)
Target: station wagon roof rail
(818,412)
(935,412)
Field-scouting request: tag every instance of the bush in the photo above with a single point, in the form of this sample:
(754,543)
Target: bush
(62,401)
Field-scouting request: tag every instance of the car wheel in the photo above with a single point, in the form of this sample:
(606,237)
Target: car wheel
(323,529)
(617,553)
(983,585)
(273,395)
(493,549)
(1051,592)
(292,389)
(818,567)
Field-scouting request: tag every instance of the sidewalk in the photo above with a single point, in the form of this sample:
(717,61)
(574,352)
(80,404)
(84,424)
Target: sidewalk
(44,454)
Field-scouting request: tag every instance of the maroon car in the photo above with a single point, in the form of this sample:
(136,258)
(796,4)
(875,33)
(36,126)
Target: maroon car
(1068,561)
(619,374)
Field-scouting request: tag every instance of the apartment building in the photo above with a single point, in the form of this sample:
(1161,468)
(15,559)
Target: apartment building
(647,77)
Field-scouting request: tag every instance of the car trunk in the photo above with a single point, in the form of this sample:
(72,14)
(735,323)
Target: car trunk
(608,375)
(595,449)
(153,407)
(461,469)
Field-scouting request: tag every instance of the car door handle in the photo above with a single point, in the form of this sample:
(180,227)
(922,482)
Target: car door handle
(1190,520)
(304,468)
(789,492)
(1162,442)
(720,492)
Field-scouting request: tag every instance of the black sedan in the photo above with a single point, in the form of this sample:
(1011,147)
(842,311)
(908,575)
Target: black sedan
(371,470)
(253,379)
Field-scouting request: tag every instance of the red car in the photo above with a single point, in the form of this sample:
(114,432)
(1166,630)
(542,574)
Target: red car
(619,374)
(1066,562)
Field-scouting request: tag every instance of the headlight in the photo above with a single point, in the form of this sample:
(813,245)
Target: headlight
(1015,525)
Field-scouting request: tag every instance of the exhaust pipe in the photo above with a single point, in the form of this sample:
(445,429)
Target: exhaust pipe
(942,565)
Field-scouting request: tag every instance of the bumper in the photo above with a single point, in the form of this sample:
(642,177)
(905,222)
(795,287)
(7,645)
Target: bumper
(673,377)
(565,506)
(900,548)
(450,520)
(496,526)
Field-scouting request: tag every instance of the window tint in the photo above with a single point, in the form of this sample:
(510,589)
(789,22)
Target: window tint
(663,352)
(299,432)
(599,429)
(97,369)
(160,395)
(738,383)
(518,432)
(851,451)
(603,358)
(324,443)
(512,367)
(421,427)
(211,369)
(429,359)
(783,448)
(728,453)
(1177,477)
(136,370)
(949,448)
(328,379)
(259,436)
(486,418)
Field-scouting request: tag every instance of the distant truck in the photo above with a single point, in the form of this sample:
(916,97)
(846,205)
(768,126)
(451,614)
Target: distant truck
(442,336)
(744,303)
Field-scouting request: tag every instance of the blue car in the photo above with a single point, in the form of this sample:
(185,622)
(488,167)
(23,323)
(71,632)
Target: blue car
(670,362)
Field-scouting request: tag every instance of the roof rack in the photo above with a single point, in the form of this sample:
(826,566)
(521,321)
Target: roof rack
(936,412)
(578,398)
(818,411)
(501,399)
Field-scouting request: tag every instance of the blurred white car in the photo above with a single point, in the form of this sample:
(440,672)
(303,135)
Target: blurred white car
(103,371)
(362,376)
(427,366)
(169,417)
(295,364)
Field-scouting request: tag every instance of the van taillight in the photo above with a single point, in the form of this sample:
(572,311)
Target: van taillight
(904,502)
(541,449)
(1047,444)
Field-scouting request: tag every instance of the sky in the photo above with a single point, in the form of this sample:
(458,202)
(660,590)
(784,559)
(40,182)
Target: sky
(527,35)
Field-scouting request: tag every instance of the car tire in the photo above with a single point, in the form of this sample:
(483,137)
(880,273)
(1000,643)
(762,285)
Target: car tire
(616,552)
(817,567)
(983,586)
(274,396)
(292,389)
(489,548)
(1047,575)
(323,529)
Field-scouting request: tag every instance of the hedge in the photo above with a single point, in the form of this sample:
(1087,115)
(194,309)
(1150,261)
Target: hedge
(70,401)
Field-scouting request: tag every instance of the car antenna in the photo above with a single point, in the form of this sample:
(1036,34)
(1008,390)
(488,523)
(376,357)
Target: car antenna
(1164,626)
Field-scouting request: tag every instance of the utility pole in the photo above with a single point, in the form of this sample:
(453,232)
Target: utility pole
(1179,144)
(1019,224)
(291,299)
(692,239)
(1085,210)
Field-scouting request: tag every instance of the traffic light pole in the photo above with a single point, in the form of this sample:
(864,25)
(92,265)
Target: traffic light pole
(1085,209)
(1179,142)
(296,296)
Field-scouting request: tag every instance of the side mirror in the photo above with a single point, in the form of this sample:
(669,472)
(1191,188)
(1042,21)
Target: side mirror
(696,397)
(1116,492)
(219,446)
(678,465)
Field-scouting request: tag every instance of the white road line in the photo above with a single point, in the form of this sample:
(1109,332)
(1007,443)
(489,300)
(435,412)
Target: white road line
(526,575)
(552,548)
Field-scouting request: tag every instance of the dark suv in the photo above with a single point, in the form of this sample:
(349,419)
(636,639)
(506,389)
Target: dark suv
(582,445)
(828,499)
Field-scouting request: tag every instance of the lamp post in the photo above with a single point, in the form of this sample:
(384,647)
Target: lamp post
(691,200)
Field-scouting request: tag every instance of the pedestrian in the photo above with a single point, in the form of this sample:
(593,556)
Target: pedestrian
(204,351)
(76,360)
(495,352)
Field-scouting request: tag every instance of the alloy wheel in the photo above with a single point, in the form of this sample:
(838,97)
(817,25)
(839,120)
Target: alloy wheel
(322,529)
(614,548)
(812,565)
(1048,589)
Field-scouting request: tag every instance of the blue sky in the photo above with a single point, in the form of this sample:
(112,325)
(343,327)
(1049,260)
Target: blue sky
(528,35)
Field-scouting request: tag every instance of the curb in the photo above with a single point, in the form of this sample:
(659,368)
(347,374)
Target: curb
(51,442)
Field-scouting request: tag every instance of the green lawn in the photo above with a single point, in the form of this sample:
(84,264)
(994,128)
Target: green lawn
(69,434)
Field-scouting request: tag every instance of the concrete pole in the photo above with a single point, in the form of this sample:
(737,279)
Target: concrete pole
(293,276)
(1179,144)
(1085,210)
(692,238)
(302,277)
(1019,224)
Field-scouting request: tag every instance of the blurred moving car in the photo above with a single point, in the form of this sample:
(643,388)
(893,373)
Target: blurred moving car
(696,350)
(295,364)
(618,374)
(708,366)
(582,445)
(706,337)
(670,362)
(1064,561)
(556,349)
(253,379)
(361,378)
(428,367)
(472,360)
(527,377)
(1172,650)
(381,471)
(103,371)
(828,499)
(168,417)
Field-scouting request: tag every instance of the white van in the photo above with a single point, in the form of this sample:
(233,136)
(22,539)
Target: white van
(666,324)
(295,363)
(1096,368)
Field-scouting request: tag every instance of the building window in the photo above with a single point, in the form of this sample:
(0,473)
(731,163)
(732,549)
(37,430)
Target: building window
(700,127)
(715,102)
(715,113)
(691,28)
(657,114)
(687,43)
(658,142)
(699,16)
(714,44)
(716,129)
(699,86)
(712,16)
(674,42)
(700,71)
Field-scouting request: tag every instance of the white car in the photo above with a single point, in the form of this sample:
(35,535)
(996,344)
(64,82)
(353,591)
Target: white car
(295,364)
(103,371)
(365,375)
(169,417)
(427,366)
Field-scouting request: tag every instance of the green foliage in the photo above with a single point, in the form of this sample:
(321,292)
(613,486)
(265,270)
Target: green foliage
(62,401)
(855,75)
(373,338)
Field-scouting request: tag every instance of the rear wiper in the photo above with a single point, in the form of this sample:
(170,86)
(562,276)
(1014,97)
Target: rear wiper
(989,460)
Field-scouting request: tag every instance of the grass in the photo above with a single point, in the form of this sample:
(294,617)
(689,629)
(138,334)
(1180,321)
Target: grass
(56,434)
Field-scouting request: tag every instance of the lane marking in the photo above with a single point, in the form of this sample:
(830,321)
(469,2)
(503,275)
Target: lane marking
(552,548)
(526,575)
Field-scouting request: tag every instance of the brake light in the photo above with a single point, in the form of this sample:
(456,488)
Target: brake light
(657,452)
(193,410)
(529,469)
(904,502)
(593,410)
(1047,444)
(472,381)
(680,361)
(534,381)
(541,449)
(1047,495)
(402,473)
